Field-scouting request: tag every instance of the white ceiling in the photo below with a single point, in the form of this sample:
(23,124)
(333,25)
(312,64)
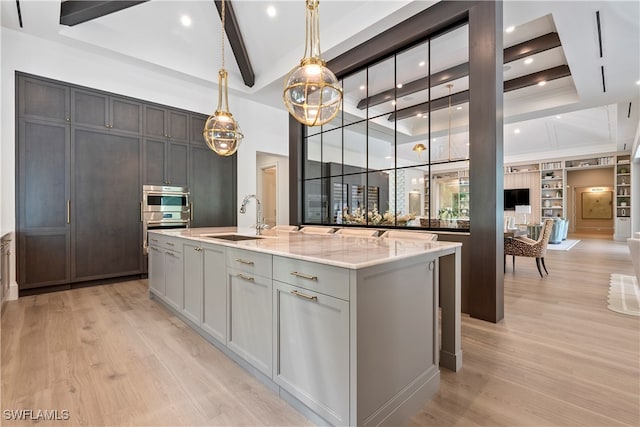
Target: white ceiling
(590,120)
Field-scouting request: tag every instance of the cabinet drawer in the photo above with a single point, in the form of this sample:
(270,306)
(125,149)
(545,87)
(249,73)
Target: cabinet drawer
(255,263)
(322,278)
(165,242)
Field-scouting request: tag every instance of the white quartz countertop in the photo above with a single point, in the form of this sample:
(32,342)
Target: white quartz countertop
(332,249)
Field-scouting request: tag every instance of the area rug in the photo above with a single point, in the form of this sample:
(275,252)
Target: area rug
(624,294)
(564,246)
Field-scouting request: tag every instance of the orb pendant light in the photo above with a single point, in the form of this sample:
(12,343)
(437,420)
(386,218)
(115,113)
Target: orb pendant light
(312,93)
(221,132)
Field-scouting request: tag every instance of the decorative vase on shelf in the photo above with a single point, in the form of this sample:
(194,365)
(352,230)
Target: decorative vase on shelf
(547,203)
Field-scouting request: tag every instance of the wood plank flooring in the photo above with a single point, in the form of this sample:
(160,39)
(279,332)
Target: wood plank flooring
(111,356)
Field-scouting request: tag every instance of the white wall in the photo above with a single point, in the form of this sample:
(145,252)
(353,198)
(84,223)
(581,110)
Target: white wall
(265,128)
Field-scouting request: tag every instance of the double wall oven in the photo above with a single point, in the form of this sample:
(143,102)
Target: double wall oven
(164,207)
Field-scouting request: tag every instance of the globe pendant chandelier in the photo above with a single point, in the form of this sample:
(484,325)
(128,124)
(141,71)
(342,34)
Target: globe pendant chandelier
(221,132)
(312,93)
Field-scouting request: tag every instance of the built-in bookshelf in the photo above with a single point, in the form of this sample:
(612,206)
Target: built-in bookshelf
(552,190)
(590,162)
(623,197)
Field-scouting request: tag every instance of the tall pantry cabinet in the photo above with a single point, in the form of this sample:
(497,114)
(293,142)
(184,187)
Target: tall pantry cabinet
(82,158)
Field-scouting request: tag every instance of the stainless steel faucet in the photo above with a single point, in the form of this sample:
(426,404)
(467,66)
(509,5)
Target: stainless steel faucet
(243,209)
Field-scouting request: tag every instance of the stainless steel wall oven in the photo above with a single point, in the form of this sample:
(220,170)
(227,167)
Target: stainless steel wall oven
(164,207)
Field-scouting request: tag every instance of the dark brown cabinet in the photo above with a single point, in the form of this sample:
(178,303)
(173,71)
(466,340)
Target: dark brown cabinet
(165,123)
(82,158)
(165,162)
(105,208)
(213,188)
(43,100)
(103,111)
(43,194)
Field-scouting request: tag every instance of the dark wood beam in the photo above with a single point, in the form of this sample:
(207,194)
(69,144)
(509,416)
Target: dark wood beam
(232,29)
(527,48)
(74,12)
(463,97)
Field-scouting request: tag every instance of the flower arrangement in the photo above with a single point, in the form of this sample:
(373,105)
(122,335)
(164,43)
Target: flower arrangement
(374,217)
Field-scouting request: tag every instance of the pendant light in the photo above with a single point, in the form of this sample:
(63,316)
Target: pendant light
(221,132)
(312,93)
(419,148)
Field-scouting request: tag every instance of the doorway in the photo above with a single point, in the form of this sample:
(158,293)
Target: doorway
(269,180)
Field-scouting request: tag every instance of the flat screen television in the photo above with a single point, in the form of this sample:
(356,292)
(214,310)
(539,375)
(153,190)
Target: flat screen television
(516,196)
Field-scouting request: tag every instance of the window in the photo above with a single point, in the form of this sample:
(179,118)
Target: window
(366,168)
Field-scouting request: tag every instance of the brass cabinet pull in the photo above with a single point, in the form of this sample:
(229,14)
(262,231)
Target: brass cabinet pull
(304,276)
(68,211)
(190,211)
(170,244)
(154,240)
(309,297)
(244,261)
(197,249)
(242,276)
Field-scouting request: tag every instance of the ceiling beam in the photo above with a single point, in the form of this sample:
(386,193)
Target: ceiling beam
(74,12)
(232,29)
(513,53)
(463,97)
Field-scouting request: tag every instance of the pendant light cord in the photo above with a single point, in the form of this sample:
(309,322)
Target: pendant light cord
(222,34)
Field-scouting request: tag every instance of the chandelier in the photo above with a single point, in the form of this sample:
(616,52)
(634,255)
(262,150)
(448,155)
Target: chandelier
(221,132)
(312,93)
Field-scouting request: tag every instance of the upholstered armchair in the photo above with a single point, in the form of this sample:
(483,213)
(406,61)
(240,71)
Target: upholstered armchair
(525,247)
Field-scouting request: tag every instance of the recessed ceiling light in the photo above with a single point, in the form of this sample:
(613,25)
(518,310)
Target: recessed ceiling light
(434,140)
(528,60)
(271,11)
(638,82)
(399,85)
(510,29)
(422,63)
(185,20)
(419,114)
(516,131)
(458,108)
(362,87)
(387,157)
(393,102)
(558,117)
(542,83)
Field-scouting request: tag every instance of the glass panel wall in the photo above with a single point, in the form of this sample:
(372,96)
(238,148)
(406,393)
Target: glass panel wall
(397,154)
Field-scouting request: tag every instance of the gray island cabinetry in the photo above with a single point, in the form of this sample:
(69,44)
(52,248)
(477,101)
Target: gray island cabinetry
(344,328)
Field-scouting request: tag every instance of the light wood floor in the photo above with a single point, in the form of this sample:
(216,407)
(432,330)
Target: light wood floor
(111,356)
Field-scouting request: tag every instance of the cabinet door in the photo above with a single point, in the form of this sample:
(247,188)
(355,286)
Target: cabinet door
(214,319)
(174,280)
(43,184)
(105,207)
(311,350)
(197,126)
(178,164)
(193,283)
(39,99)
(178,126)
(213,188)
(154,168)
(90,109)
(126,115)
(156,270)
(250,320)
(154,122)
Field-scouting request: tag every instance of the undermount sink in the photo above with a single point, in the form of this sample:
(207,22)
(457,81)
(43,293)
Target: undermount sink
(234,237)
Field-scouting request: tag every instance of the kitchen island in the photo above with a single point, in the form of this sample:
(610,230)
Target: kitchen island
(344,328)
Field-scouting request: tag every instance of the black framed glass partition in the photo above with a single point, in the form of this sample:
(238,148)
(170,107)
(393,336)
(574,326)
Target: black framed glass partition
(397,154)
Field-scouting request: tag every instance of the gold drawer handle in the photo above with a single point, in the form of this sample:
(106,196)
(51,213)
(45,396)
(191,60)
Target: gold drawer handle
(244,261)
(304,276)
(242,276)
(309,297)
(170,244)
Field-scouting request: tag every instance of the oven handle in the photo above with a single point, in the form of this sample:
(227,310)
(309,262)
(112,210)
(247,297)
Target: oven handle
(167,193)
(167,222)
